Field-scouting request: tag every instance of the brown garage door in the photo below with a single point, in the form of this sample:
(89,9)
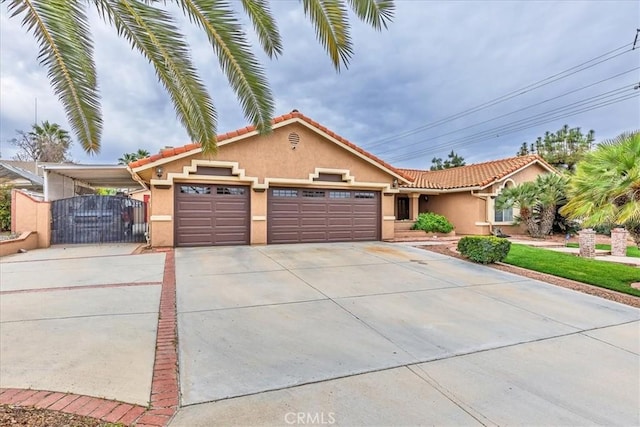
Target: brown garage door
(211,214)
(320,215)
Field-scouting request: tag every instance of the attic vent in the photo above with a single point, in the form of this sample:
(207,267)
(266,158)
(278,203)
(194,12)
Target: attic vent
(294,139)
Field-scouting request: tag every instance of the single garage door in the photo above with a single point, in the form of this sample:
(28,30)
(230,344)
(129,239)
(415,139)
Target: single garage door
(211,214)
(319,215)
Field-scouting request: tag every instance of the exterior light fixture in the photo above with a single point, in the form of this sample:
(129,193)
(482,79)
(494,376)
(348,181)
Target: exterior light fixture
(159,171)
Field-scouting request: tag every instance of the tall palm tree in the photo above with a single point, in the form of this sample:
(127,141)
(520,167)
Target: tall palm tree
(62,30)
(606,186)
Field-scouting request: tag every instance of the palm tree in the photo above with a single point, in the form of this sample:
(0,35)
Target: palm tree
(606,186)
(47,142)
(537,201)
(62,30)
(132,157)
(551,192)
(52,142)
(127,158)
(522,197)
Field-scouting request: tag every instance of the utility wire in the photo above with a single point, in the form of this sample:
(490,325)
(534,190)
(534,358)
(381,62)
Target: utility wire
(532,121)
(499,129)
(510,113)
(481,138)
(510,95)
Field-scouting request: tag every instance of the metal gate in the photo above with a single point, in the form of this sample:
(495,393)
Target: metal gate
(98,219)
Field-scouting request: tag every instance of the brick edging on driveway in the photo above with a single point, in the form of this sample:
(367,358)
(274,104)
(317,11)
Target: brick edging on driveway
(110,411)
(164,398)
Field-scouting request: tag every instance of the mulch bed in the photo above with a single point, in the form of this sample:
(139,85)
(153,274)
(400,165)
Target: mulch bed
(631,300)
(18,416)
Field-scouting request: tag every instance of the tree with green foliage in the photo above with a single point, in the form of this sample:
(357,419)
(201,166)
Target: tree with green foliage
(5,208)
(453,161)
(61,28)
(132,157)
(46,142)
(562,149)
(606,186)
(537,201)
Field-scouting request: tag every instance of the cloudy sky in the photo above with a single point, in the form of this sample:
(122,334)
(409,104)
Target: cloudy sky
(478,77)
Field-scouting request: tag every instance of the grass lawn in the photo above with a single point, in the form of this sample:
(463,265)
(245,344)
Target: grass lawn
(599,273)
(631,250)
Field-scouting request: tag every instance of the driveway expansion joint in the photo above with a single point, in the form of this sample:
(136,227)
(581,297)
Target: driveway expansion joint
(164,399)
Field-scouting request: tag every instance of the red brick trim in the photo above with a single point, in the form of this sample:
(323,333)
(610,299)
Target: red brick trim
(165,397)
(110,411)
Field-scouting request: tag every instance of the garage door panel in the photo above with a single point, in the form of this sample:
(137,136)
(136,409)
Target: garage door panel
(311,222)
(208,214)
(195,222)
(313,208)
(309,215)
(340,222)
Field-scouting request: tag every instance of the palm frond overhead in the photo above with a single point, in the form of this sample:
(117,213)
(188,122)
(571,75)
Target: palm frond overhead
(377,13)
(66,50)
(153,33)
(245,74)
(264,25)
(329,18)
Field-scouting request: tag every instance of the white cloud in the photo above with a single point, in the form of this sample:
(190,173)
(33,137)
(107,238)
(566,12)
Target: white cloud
(436,59)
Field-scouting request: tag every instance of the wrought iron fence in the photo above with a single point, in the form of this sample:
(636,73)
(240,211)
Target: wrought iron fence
(98,219)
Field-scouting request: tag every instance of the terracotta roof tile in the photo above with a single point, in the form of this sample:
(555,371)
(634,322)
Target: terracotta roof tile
(476,175)
(294,114)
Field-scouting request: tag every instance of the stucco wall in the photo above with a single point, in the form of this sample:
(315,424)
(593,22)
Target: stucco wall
(29,214)
(269,160)
(470,214)
(461,209)
(27,241)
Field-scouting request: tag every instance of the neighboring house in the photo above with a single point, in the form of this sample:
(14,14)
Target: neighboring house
(21,175)
(466,195)
(304,183)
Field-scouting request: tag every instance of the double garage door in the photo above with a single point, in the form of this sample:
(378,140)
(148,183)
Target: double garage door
(298,215)
(212,214)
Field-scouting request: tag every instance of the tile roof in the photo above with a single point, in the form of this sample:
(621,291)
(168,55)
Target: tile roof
(170,152)
(476,175)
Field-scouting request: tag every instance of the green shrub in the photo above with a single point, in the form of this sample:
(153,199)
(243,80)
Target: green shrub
(5,208)
(484,249)
(432,223)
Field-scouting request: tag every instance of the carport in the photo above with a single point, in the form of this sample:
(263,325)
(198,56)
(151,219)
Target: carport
(68,180)
(79,216)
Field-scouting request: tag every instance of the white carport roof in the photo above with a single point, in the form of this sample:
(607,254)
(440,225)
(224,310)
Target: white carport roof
(112,176)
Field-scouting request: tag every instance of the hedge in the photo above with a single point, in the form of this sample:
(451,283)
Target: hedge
(484,249)
(432,223)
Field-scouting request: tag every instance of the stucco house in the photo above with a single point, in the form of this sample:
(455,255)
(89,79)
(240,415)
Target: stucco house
(305,183)
(466,195)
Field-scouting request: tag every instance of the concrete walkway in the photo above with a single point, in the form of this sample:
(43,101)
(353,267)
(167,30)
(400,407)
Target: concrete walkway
(82,319)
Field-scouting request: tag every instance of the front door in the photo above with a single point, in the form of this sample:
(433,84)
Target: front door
(402,208)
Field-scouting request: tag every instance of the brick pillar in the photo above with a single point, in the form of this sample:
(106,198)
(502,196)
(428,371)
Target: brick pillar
(619,242)
(587,239)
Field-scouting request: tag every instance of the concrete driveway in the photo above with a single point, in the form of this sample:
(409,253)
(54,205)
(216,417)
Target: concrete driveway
(81,319)
(383,334)
(348,334)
